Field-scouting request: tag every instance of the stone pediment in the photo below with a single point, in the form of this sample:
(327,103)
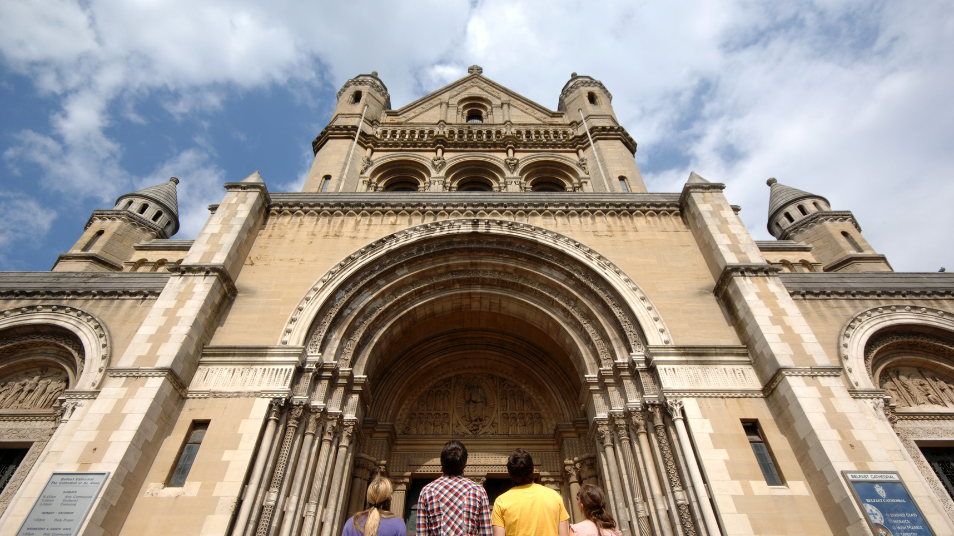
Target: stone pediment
(474,86)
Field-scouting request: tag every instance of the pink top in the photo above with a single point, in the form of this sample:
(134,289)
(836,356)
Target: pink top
(588,528)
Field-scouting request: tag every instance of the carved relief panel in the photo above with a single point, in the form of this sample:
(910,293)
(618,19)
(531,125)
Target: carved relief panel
(36,388)
(920,389)
(475,404)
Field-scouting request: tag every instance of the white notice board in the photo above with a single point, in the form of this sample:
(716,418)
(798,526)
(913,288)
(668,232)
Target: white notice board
(63,505)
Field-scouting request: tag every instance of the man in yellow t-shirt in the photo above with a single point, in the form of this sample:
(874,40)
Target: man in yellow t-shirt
(528,509)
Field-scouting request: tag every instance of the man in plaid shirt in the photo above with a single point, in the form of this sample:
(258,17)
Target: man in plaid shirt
(453,505)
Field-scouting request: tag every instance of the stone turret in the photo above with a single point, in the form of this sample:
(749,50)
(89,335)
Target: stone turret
(834,235)
(585,97)
(110,235)
(364,95)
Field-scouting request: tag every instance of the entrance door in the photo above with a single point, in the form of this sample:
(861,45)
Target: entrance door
(410,504)
(496,487)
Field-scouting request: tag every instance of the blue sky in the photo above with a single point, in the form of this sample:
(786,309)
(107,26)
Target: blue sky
(846,99)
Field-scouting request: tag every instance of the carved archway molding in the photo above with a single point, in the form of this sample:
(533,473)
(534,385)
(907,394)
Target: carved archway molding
(88,329)
(299,322)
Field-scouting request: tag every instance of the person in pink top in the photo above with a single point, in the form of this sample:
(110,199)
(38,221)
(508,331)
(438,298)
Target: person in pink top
(592,504)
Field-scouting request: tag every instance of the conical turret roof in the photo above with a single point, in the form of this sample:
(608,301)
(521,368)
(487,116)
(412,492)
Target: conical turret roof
(164,194)
(782,196)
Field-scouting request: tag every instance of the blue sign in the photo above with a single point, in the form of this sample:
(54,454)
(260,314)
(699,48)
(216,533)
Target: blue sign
(887,504)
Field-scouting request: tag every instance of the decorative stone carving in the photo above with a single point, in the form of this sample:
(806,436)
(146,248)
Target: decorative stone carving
(366,162)
(911,387)
(512,163)
(33,389)
(242,378)
(708,377)
(582,164)
(475,404)
(475,69)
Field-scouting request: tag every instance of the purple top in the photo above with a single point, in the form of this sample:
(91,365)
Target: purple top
(392,526)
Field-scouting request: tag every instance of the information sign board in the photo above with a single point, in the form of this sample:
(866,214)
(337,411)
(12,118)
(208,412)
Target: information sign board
(63,505)
(887,505)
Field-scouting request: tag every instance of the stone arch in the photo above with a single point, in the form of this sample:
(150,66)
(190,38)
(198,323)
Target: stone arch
(550,157)
(389,159)
(400,174)
(858,331)
(467,173)
(90,359)
(631,307)
(545,172)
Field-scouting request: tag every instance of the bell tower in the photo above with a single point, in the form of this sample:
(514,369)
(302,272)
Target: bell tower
(588,103)
(109,236)
(362,101)
(835,235)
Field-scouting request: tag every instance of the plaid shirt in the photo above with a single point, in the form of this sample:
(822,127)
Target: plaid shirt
(453,506)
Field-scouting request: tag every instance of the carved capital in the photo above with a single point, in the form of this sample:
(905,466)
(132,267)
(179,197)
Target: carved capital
(622,428)
(639,421)
(312,422)
(294,417)
(658,419)
(275,408)
(605,434)
(675,407)
(347,434)
(331,426)
(572,471)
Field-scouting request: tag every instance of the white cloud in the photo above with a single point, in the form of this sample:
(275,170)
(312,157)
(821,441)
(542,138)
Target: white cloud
(22,220)
(846,99)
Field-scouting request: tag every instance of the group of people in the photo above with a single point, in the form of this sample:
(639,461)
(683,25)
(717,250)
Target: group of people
(456,506)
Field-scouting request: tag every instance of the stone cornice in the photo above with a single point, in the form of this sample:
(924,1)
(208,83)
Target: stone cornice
(217,270)
(692,187)
(487,201)
(94,258)
(482,137)
(247,187)
(866,286)
(862,394)
(126,216)
(781,373)
(782,245)
(82,285)
(165,245)
(697,355)
(149,372)
(852,258)
(252,355)
(832,216)
(742,270)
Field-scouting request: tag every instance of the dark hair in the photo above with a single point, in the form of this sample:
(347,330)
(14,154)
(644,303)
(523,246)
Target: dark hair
(520,467)
(453,458)
(594,507)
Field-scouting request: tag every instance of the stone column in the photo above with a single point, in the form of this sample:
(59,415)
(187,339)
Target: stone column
(319,479)
(359,483)
(677,495)
(291,508)
(335,490)
(606,437)
(251,490)
(625,451)
(708,515)
(573,481)
(399,496)
(278,477)
(647,469)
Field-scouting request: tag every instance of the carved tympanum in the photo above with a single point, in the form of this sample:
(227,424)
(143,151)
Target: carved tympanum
(32,389)
(474,404)
(911,387)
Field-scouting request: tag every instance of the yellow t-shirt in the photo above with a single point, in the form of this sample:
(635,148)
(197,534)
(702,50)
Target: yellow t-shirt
(529,510)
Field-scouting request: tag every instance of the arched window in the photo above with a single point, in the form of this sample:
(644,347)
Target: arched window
(547,185)
(157,215)
(402,185)
(474,116)
(807,266)
(591,97)
(801,208)
(474,185)
(622,184)
(143,208)
(356,97)
(851,241)
(817,206)
(789,218)
(92,241)
(128,204)
(325,182)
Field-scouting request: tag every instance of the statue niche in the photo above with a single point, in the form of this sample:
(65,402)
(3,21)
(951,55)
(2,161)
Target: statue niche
(474,404)
(916,388)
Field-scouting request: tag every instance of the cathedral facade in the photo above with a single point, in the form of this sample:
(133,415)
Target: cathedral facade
(477,266)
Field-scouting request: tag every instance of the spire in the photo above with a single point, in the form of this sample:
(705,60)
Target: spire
(782,196)
(696,179)
(164,194)
(254,177)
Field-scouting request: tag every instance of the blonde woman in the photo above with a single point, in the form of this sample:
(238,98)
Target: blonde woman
(376,520)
